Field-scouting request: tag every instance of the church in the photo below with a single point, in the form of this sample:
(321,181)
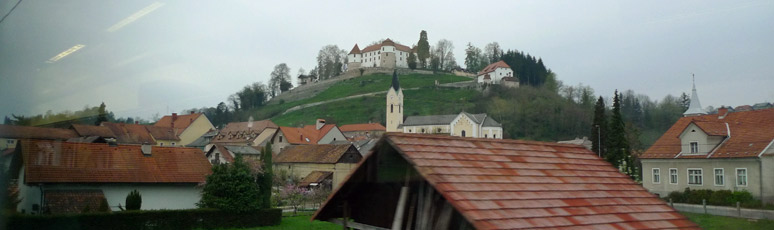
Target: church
(462,125)
(387,54)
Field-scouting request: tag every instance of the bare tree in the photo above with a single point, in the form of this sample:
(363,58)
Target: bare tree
(279,80)
(330,61)
(441,51)
(493,52)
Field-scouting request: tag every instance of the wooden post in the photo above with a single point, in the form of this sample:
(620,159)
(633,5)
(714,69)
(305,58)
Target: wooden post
(704,203)
(738,209)
(671,203)
(346,215)
(412,210)
(397,221)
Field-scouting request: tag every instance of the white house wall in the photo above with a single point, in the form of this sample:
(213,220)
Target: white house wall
(729,166)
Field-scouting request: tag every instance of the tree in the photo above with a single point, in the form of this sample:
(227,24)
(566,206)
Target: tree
(133,200)
(474,61)
(231,187)
(443,51)
(599,128)
(412,61)
(280,75)
(267,177)
(330,62)
(618,145)
(492,52)
(685,101)
(7,121)
(102,114)
(423,49)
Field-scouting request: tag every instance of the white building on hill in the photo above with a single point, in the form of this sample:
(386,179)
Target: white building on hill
(387,54)
(494,73)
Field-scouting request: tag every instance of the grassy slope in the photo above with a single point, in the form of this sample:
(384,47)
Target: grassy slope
(710,222)
(424,101)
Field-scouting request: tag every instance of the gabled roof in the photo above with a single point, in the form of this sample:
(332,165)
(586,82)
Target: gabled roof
(512,184)
(181,122)
(750,134)
(321,154)
(315,177)
(355,50)
(492,67)
(241,132)
(306,135)
(362,127)
(386,42)
(130,133)
(63,162)
(93,130)
(29,132)
(162,133)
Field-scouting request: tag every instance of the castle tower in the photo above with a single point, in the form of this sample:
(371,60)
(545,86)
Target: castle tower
(354,58)
(394,110)
(694,109)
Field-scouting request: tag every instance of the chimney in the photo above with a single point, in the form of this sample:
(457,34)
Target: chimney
(722,112)
(192,112)
(174,118)
(320,123)
(250,122)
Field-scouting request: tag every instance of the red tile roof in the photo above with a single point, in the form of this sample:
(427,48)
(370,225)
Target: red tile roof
(492,67)
(306,135)
(362,127)
(355,50)
(130,133)
(387,42)
(29,132)
(181,122)
(511,184)
(93,130)
(162,133)
(242,132)
(751,132)
(63,162)
(324,154)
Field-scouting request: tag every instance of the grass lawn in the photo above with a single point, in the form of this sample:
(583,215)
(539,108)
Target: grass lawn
(298,222)
(710,222)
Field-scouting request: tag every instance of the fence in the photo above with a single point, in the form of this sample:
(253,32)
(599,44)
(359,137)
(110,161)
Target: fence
(724,211)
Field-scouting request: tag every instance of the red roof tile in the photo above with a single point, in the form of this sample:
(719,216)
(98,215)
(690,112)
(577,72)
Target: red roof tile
(130,133)
(362,127)
(29,132)
(242,132)
(388,42)
(180,122)
(307,135)
(355,50)
(63,162)
(162,133)
(326,154)
(750,133)
(512,184)
(93,130)
(492,67)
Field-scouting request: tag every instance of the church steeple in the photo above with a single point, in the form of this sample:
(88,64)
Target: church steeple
(394,110)
(395,84)
(695,108)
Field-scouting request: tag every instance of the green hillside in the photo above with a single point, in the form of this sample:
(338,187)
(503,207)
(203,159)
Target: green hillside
(422,98)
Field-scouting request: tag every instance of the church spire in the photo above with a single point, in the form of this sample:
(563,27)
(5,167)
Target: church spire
(395,84)
(695,108)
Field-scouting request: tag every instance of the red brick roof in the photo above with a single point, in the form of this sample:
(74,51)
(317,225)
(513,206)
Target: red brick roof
(362,127)
(130,133)
(63,162)
(181,122)
(492,67)
(324,154)
(376,47)
(511,184)
(29,132)
(93,130)
(751,132)
(309,132)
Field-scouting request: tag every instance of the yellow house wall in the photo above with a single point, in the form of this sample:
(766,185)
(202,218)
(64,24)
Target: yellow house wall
(463,124)
(394,117)
(264,136)
(199,127)
(301,170)
(6,143)
(167,143)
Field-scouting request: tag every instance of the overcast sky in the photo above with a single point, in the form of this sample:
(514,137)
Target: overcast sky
(147,57)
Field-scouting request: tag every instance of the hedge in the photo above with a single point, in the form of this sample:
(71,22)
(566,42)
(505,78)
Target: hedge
(151,220)
(714,197)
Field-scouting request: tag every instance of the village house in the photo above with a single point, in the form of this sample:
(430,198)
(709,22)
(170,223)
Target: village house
(250,133)
(130,134)
(494,74)
(221,154)
(186,128)
(11,134)
(356,132)
(315,161)
(319,133)
(203,141)
(387,54)
(53,175)
(414,181)
(723,151)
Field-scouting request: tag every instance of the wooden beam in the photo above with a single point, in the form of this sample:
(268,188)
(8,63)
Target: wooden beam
(355,225)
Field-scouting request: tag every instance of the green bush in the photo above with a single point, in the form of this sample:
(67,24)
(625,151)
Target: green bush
(715,197)
(152,220)
(676,197)
(133,200)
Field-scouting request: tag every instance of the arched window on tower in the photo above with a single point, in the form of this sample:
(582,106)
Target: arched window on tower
(391,107)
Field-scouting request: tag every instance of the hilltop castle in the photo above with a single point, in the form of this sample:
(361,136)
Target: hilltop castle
(387,54)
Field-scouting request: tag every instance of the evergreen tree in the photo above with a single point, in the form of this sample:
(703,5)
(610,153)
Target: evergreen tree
(102,116)
(599,128)
(133,200)
(423,49)
(265,180)
(618,145)
(412,61)
(7,121)
(231,187)
(685,101)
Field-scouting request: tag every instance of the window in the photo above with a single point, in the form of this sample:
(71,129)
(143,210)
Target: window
(741,177)
(720,179)
(173,143)
(484,135)
(423,130)
(463,133)
(391,107)
(439,130)
(161,144)
(494,136)
(657,176)
(280,139)
(695,177)
(694,147)
(673,176)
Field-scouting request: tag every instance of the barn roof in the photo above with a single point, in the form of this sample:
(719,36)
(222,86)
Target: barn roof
(313,154)
(512,184)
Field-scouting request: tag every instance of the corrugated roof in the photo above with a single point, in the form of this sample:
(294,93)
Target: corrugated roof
(181,122)
(93,130)
(62,162)
(130,133)
(751,132)
(326,154)
(29,132)
(512,184)
(362,127)
(492,67)
(307,135)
